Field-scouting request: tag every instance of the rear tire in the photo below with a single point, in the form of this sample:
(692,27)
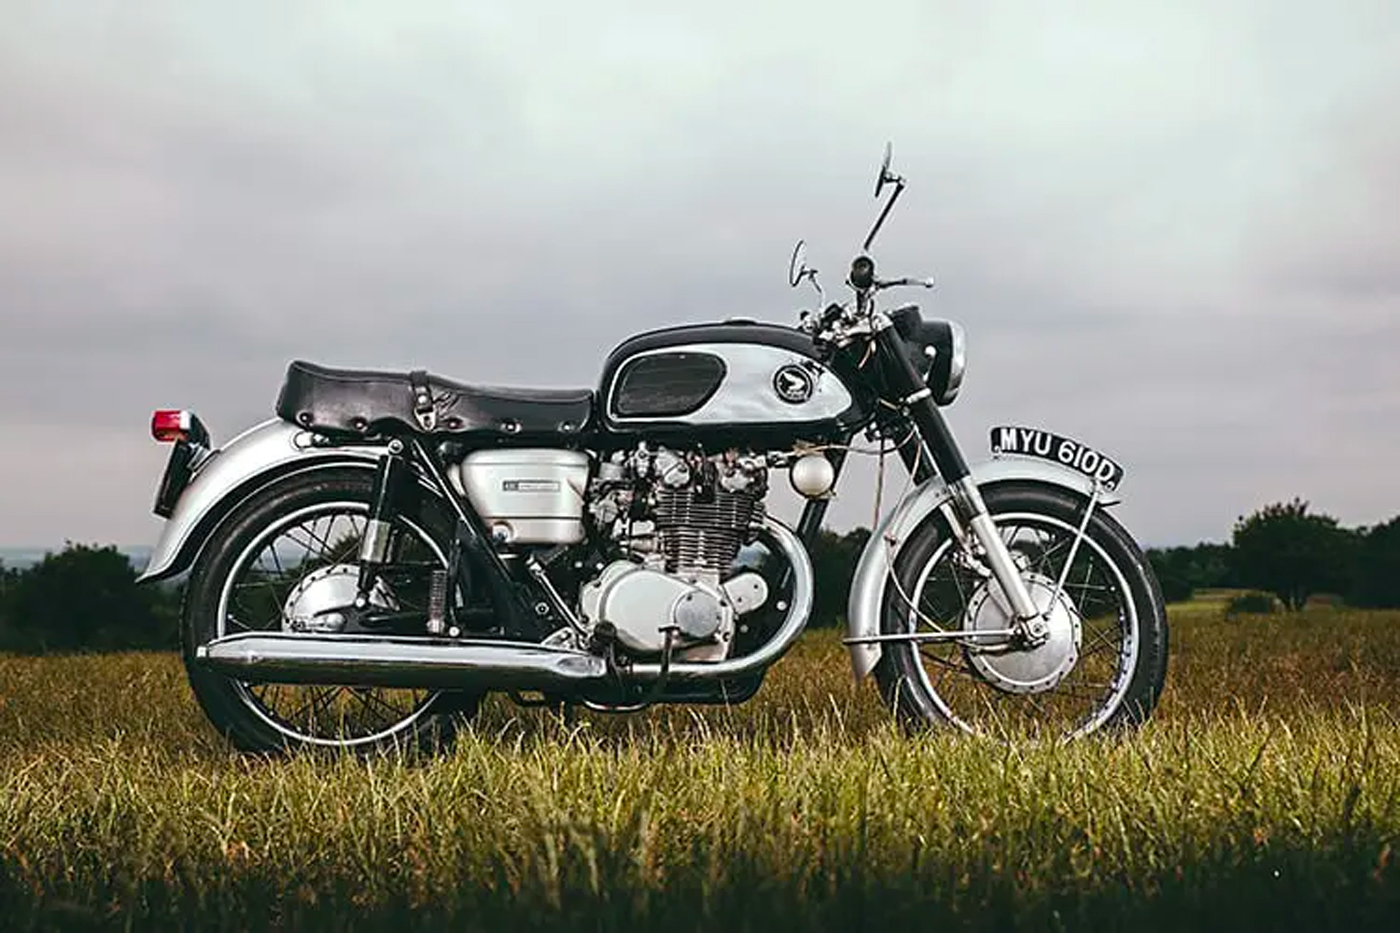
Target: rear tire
(1114,616)
(360,719)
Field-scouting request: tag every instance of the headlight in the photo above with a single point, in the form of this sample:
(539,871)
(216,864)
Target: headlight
(938,350)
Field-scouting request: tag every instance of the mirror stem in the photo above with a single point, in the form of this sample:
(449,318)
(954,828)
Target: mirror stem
(898,187)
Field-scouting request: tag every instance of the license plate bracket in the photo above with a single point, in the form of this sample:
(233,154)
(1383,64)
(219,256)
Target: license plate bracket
(1020,441)
(178,470)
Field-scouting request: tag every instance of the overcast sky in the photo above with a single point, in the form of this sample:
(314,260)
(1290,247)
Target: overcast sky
(1171,230)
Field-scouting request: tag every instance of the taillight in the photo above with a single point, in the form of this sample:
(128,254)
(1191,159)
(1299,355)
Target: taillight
(171,425)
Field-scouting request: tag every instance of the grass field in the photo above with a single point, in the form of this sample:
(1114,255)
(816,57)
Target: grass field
(1264,794)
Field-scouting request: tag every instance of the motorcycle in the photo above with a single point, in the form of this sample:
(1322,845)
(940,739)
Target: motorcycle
(392,547)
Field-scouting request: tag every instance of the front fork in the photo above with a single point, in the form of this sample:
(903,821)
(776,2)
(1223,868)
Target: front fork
(967,514)
(1029,623)
(975,532)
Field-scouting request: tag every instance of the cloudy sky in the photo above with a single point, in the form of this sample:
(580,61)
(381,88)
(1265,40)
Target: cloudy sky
(1171,229)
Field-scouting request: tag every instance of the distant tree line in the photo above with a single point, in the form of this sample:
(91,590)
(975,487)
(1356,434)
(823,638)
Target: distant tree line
(86,597)
(1287,551)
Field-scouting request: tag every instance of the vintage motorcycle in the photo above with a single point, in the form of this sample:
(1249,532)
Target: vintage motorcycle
(393,546)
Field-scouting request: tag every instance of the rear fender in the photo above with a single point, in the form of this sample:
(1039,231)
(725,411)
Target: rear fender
(877,560)
(256,457)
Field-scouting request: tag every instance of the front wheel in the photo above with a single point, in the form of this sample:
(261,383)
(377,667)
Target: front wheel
(1103,663)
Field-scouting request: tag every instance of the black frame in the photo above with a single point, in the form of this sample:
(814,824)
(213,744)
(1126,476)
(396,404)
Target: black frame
(518,598)
(527,611)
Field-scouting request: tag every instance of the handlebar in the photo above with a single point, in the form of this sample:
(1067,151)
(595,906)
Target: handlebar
(836,320)
(892,283)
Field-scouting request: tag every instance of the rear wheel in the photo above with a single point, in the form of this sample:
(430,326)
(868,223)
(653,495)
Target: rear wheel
(276,564)
(1103,663)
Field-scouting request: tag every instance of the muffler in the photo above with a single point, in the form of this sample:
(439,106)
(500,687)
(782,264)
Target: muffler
(409,662)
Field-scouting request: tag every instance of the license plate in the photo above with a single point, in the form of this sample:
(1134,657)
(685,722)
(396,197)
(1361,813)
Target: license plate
(1032,442)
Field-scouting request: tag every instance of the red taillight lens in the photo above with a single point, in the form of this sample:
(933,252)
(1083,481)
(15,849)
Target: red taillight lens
(171,425)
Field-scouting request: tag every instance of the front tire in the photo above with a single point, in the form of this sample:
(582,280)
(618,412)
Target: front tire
(1104,665)
(295,541)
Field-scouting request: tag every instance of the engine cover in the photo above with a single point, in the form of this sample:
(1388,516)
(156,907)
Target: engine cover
(526,495)
(644,604)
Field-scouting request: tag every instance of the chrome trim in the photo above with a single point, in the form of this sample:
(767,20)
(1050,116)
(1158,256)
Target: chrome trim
(363,660)
(873,569)
(746,394)
(796,620)
(259,450)
(957,366)
(1008,576)
(1003,633)
(979,523)
(374,546)
(918,396)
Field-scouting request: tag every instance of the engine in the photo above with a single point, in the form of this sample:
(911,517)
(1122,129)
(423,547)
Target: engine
(678,517)
(683,518)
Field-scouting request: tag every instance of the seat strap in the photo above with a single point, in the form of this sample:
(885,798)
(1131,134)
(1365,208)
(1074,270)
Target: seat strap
(424,411)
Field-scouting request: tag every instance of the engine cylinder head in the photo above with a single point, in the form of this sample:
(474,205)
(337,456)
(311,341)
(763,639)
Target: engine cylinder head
(702,534)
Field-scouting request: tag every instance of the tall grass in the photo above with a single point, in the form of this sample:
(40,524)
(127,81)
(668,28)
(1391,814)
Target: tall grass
(1265,793)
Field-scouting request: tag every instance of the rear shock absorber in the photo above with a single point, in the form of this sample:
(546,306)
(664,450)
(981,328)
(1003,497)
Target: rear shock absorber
(374,546)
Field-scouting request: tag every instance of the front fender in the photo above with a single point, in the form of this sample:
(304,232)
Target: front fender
(874,567)
(260,454)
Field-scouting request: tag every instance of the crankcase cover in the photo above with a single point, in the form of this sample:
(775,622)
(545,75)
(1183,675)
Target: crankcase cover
(642,604)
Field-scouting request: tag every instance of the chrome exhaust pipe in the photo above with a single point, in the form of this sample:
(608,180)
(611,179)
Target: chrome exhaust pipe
(414,662)
(357,660)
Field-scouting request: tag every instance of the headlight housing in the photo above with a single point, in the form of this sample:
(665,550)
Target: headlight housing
(938,350)
(957,362)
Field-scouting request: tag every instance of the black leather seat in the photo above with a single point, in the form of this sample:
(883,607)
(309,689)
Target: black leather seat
(354,401)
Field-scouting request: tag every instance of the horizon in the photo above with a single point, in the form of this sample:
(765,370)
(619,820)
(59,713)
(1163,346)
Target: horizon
(36,552)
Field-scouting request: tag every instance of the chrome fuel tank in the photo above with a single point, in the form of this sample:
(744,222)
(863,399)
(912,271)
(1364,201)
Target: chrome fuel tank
(736,378)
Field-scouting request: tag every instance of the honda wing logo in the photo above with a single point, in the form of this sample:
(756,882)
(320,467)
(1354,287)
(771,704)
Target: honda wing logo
(793,384)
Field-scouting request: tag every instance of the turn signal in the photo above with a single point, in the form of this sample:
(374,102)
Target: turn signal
(168,426)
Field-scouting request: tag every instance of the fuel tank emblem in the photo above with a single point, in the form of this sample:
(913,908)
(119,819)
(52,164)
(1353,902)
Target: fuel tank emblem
(793,384)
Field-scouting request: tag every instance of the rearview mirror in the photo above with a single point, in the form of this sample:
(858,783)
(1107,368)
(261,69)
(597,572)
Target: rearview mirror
(886,176)
(797,267)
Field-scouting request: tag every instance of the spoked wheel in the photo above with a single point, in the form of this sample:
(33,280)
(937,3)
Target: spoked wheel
(286,562)
(1102,662)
